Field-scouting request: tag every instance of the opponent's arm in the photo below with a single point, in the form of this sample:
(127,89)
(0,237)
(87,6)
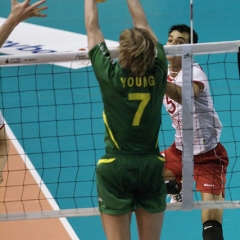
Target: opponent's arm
(94,33)
(175,92)
(20,12)
(138,16)
(4,149)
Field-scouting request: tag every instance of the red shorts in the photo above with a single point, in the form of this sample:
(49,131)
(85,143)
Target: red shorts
(209,168)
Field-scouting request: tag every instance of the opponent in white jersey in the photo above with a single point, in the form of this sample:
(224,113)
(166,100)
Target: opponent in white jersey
(206,124)
(210,157)
(20,11)
(3,147)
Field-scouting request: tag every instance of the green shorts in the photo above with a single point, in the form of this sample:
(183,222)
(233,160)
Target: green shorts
(127,182)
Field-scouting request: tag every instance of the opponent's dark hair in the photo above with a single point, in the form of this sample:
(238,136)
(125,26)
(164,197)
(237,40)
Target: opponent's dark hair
(182,28)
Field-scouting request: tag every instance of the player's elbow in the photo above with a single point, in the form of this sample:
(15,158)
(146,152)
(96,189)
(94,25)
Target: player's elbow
(92,27)
(91,22)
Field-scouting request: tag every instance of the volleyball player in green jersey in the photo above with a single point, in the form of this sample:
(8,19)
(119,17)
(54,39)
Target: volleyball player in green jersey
(131,103)
(132,89)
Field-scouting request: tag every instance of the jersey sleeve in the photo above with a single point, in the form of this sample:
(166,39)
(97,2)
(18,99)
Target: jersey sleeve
(101,61)
(160,58)
(161,67)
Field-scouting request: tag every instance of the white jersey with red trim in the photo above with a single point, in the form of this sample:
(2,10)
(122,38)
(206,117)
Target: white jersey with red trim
(206,124)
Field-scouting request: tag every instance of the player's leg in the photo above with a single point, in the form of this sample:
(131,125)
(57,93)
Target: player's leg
(150,198)
(212,214)
(116,227)
(210,176)
(115,195)
(212,219)
(149,224)
(173,172)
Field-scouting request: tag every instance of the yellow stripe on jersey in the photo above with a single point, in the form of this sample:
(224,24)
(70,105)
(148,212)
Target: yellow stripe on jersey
(109,160)
(161,159)
(109,130)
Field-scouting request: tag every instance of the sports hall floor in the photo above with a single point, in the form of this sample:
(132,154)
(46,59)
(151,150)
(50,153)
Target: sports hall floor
(214,21)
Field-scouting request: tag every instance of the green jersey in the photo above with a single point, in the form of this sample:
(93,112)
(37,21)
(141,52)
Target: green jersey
(132,104)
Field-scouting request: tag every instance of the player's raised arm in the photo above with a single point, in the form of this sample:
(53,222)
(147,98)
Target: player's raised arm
(138,16)
(20,12)
(94,32)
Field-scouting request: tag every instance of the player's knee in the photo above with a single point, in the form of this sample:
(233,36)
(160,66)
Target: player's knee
(172,186)
(212,230)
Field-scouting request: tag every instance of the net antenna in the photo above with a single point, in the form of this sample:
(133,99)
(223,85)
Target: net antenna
(191,20)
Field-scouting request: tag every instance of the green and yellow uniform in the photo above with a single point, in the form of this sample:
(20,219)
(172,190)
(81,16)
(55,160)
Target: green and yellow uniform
(129,175)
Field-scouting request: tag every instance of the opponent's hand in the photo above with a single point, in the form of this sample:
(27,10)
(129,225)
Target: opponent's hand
(24,10)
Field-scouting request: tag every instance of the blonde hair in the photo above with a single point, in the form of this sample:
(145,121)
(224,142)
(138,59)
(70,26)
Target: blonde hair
(136,50)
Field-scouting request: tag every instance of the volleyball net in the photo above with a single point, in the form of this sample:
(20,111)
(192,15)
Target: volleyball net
(52,108)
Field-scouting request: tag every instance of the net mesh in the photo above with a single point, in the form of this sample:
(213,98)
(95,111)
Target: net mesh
(52,108)
(223,73)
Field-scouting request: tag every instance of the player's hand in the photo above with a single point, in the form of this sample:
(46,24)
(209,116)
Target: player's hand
(24,10)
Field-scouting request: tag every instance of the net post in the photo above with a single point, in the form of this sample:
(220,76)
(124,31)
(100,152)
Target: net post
(187,126)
